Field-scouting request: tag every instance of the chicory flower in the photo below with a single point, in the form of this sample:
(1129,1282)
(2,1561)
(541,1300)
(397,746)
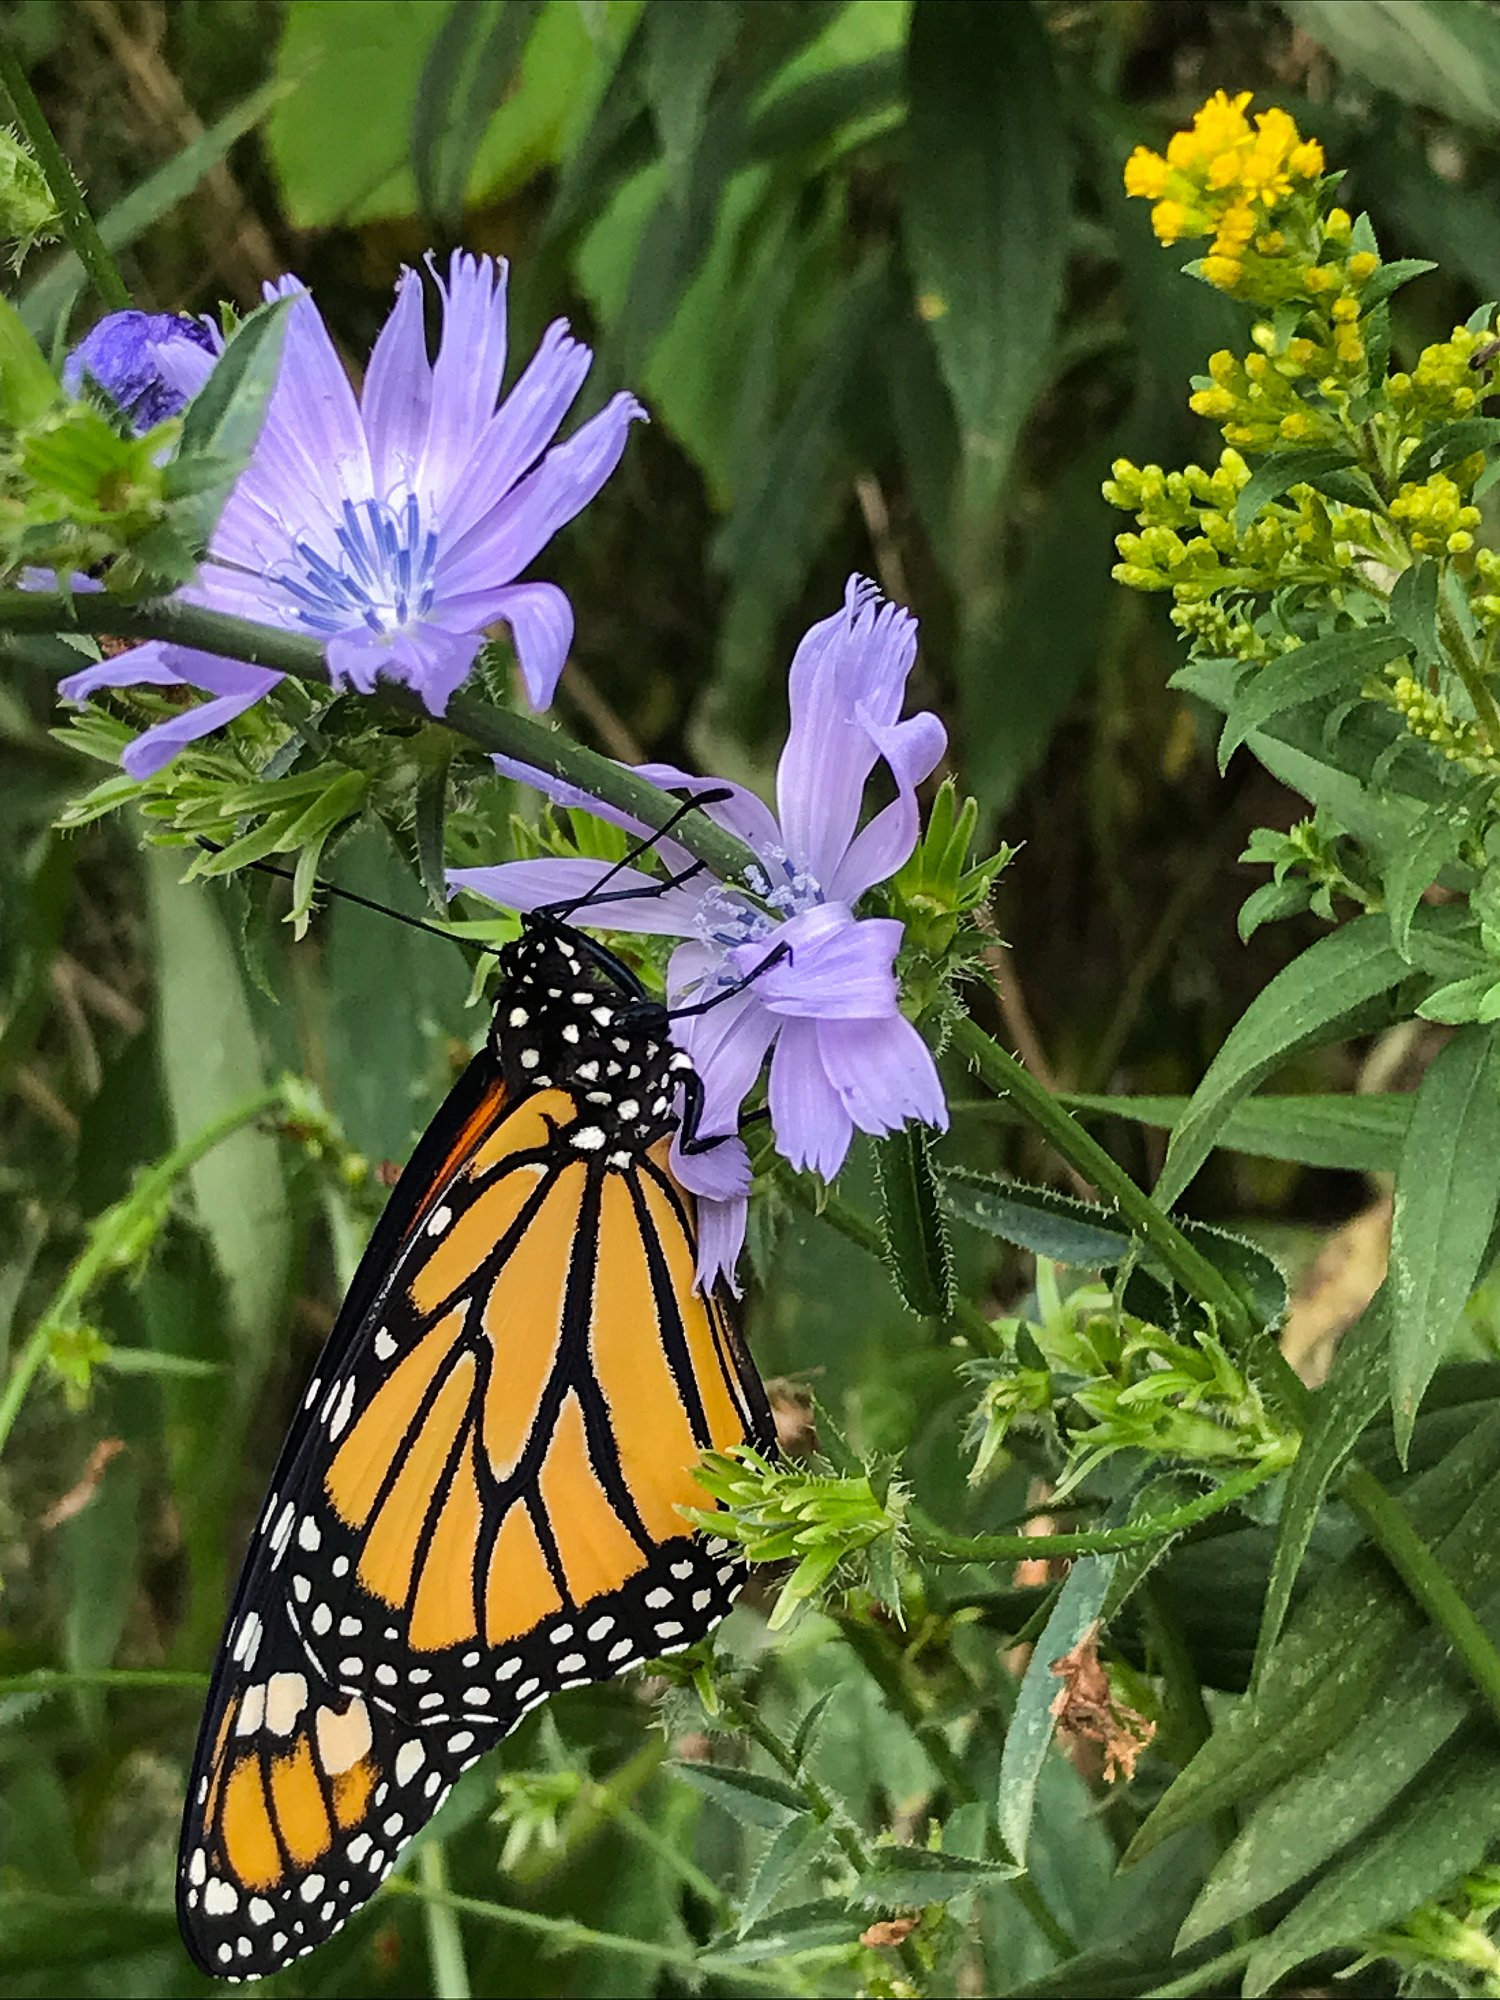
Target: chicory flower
(394,526)
(150,364)
(790,968)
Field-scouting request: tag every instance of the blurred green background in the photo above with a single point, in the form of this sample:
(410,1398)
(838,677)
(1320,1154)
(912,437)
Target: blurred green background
(873,271)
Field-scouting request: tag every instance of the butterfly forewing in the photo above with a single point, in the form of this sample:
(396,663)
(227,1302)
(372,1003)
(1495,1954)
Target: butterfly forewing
(480,1502)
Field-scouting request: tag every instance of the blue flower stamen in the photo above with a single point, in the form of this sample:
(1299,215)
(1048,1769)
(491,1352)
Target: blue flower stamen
(387,566)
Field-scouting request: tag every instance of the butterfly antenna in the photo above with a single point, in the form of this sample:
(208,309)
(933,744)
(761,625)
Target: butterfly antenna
(560,912)
(343,895)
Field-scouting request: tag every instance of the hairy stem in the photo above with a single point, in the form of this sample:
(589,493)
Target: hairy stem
(78,225)
(1192,1270)
(927,1539)
(445,1941)
(489,728)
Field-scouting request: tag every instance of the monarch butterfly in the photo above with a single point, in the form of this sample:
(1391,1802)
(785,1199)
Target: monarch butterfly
(477,1504)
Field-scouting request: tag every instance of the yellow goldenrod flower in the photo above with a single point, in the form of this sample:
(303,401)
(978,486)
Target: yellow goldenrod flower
(1146,174)
(1227,179)
(1170,220)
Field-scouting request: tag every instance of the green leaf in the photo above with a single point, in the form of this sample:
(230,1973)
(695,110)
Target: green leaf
(685,50)
(429,819)
(1356,1133)
(791,1851)
(1329,1804)
(211,1062)
(1337,664)
(1080,1604)
(907,1877)
(807,1728)
(222,422)
(1444,1828)
(28,387)
(1334,1652)
(1282,471)
(469,70)
(1342,1408)
(805,1927)
(917,1251)
(340,147)
(1429,52)
(748,1795)
(1447,1192)
(1414,609)
(1314,1000)
(1388,280)
(1039,1219)
(1448,442)
(1415,865)
(1476,998)
(988,176)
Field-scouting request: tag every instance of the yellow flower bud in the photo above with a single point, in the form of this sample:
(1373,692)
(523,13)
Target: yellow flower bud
(1146,174)
(1363,266)
(1222,365)
(1459,544)
(1318,278)
(1169,219)
(1271,244)
(1306,160)
(1303,352)
(1349,348)
(1224,272)
(1344,310)
(1296,424)
(1213,403)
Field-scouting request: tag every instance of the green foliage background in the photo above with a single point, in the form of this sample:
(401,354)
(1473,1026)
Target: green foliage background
(872,269)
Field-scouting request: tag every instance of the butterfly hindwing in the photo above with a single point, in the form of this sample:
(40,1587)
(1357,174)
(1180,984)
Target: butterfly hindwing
(480,1502)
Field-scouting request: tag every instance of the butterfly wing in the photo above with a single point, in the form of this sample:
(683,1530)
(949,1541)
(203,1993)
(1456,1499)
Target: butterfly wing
(478,1506)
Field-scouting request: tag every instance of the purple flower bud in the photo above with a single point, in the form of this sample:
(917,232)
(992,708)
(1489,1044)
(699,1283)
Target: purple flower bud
(152,364)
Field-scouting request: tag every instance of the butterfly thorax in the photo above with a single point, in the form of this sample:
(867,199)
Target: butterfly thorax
(571,1016)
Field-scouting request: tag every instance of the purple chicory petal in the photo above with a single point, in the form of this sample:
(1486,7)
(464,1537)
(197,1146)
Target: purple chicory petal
(525,424)
(742,813)
(148,665)
(533,885)
(835,967)
(494,547)
(884,1073)
(312,446)
(858,659)
(466,375)
(541,629)
(812,1126)
(727,1044)
(719,1177)
(913,749)
(157,746)
(397,400)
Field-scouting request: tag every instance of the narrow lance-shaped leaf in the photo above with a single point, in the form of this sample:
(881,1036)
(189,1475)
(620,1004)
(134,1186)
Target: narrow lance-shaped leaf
(1444,1828)
(1320,995)
(917,1252)
(986,216)
(1447,1191)
(1343,1406)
